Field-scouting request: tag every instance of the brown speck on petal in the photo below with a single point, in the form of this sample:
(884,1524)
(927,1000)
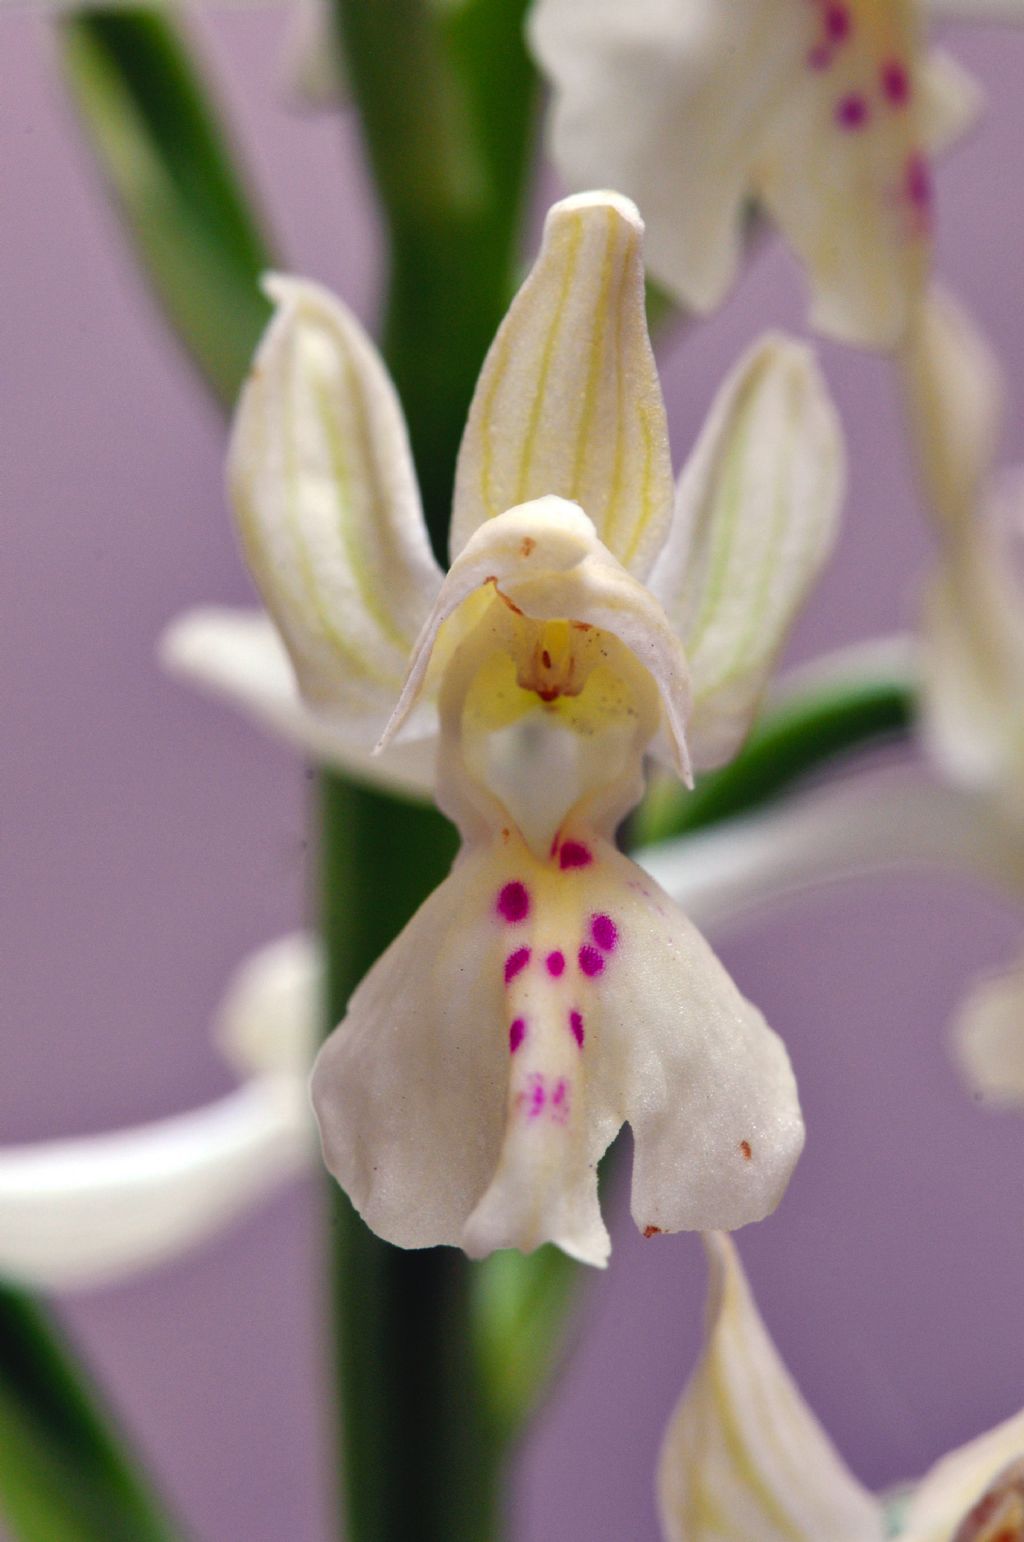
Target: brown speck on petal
(528,545)
(746,1149)
(653,1231)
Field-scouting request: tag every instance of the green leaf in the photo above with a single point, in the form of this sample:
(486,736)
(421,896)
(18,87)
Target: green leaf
(146,113)
(65,1475)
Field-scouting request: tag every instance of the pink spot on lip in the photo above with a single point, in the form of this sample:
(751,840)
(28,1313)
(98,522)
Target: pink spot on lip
(852,112)
(919,182)
(560,1101)
(576,1024)
(537,1095)
(895,83)
(574,854)
(604,932)
(837,23)
(819,58)
(590,960)
(515,962)
(514,902)
(516,1035)
(555,963)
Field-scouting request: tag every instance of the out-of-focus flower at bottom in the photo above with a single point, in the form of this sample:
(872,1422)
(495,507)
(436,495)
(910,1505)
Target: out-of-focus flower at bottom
(744,1457)
(83,1211)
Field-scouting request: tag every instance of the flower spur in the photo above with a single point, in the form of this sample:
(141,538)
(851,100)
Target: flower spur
(548,991)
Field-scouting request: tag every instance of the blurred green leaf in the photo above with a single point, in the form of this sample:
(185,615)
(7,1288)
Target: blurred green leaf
(65,1475)
(149,120)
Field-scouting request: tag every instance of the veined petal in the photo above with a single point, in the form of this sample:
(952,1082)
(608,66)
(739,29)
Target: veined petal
(568,401)
(973,1479)
(756,516)
(545,560)
(238,655)
(988,1039)
(529,1010)
(78,1212)
(954,393)
(322,483)
(744,1456)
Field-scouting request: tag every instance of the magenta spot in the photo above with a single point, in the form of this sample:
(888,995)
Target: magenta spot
(556,963)
(895,83)
(576,1024)
(604,932)
(590,960)
(560,1101)
(514,902)
(516,1035)
(837,23)
(852,112)
(574,854)
(536,1097)
(919,182)
(515,962)
(819,58)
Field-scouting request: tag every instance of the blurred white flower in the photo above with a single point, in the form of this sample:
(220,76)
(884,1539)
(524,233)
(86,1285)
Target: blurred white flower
(83,1211)
(547,992)
(822,114)
(969,663)
(744,1457)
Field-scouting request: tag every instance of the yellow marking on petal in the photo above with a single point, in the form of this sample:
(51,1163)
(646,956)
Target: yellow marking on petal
(352,536)
(547,353)
(596,362)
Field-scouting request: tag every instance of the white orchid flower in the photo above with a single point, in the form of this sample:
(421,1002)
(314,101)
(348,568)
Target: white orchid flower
(548,991)
(80,1212)
(744,1457)
(823,114)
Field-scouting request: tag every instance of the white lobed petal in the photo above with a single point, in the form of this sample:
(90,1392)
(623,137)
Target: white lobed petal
(568,401)
(321,480)
(238,656)
(756,516)
(744,1457)
(472,1087)
(988,1038)
(80,1212)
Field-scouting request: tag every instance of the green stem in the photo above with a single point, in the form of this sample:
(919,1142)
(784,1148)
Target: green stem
(419,1450)
(147,113)
(800,736)
(64,1473)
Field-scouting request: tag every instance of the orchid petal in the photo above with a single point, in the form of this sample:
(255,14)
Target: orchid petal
(568,401)
(528,1011)
(744,1456)
(988,1039)
(78,1212)
(972,657)
(954,392)
(951,101)
(322,483)
(830,118)
(756,516)
(947,1494)
(546,560)
(238,656)
(312,68)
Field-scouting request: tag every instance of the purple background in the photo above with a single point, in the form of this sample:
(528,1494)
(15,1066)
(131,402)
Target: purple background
(151,838)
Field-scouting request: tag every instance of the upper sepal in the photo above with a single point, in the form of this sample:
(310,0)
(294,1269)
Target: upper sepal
(568,401)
